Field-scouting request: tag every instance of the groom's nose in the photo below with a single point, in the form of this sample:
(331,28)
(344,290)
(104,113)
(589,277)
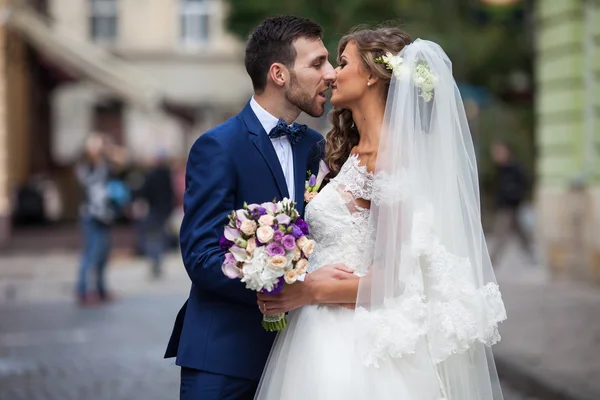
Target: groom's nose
(329,75)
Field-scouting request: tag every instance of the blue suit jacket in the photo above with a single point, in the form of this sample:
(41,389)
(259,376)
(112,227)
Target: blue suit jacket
(219,327)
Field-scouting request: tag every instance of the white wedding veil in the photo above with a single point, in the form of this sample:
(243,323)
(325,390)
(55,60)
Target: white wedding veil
(431,279)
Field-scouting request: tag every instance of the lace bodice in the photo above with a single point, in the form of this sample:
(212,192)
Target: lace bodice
(337,223)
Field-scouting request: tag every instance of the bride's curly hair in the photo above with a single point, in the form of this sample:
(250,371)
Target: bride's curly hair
(371,43)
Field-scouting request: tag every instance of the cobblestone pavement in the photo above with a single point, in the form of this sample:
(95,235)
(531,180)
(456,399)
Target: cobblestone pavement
(61,352)
(53,350)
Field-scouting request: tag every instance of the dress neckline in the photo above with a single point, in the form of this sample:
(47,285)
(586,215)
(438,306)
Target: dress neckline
(355,163)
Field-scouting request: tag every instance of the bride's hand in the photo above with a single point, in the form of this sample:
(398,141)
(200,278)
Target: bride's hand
(331,271)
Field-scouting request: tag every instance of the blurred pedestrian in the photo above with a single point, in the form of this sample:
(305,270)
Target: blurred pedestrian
(102,198)
(159,195)
(139,209)
(511,188)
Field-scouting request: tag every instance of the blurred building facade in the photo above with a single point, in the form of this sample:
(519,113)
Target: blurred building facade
(181,45)
(568,136)
(153,74)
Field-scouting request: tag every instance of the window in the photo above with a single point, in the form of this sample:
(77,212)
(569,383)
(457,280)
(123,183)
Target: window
(197,17)
(103,20)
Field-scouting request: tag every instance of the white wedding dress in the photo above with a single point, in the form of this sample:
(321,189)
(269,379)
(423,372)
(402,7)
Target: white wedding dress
(428,305)
(314,358)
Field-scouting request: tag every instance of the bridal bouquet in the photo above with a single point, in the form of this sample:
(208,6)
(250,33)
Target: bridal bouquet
(267,245)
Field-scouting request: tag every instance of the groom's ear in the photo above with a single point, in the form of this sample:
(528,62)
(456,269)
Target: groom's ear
(279,74)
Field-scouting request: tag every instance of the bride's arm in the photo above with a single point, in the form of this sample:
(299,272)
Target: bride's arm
(334,291)
(332,284)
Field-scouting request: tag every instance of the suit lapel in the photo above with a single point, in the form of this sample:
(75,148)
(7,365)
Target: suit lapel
(265,147)
(299,150)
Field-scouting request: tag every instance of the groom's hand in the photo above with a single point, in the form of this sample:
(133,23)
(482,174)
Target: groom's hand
(302,293)
(291,297)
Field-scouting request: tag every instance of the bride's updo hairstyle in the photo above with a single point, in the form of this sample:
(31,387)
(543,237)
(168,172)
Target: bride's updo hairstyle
(371,43)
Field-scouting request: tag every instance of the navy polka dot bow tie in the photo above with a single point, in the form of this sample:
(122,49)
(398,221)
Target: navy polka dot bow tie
(294,132)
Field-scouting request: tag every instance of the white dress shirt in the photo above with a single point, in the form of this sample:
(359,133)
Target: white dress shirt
(282,145)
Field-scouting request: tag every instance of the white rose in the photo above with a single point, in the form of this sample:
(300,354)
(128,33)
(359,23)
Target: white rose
(278,262)
(266,220)
(302,242)
(290,277)
(308,248)
(251,246)
(265,234)
(301,266)
(248,227)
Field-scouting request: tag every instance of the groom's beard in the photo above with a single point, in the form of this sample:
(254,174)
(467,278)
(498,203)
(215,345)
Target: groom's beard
(301,99)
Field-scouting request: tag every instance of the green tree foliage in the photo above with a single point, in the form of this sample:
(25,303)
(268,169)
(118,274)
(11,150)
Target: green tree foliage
(483,45)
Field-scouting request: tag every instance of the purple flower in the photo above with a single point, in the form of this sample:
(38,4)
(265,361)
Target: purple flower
(275,249)
(312,181)
(258,212)
(230,270)
(277,288)
(289,242)
(270,207)
(295,231)
(229,258)
(225,244)
(277,236)
(302,225)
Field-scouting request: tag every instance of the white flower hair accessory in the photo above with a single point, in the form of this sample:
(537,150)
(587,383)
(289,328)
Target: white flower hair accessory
(391,62)
(422,76)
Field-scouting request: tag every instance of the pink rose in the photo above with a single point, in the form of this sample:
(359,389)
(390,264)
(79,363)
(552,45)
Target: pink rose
(251,246)
(248,227)
(266,220)
(301,266)
(302,242)
(297,254)
(309,196)
(265,234)
(278,262)
(308,248)
(290,276)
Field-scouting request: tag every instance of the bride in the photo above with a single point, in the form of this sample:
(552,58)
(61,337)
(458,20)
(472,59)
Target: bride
(402,212)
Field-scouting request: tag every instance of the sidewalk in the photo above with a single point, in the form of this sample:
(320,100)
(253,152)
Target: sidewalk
(551,341)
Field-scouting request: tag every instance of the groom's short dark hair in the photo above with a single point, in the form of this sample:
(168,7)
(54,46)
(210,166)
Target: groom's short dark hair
(273,42)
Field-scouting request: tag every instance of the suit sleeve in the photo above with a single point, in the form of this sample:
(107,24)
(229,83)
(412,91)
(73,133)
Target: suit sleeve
(209,197)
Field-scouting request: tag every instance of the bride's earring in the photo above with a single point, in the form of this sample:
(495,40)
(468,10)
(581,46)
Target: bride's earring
(368,83)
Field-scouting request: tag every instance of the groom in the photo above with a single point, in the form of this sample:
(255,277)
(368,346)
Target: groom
(254,157)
